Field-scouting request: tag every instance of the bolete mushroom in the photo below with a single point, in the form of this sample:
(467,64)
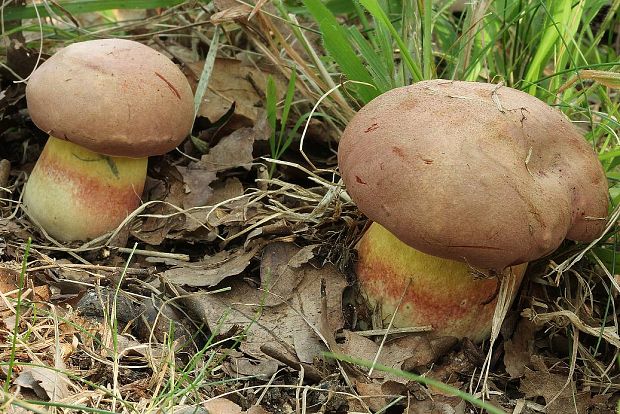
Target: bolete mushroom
(463,179)
(107,106)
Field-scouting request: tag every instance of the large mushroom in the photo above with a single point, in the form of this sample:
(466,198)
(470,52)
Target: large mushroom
(107,106)
(462,180)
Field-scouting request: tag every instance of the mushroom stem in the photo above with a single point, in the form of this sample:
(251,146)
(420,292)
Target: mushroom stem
(77,194)
(452,297)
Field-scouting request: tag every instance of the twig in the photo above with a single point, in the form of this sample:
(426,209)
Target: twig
(391,331)
(90,267)
(152,253)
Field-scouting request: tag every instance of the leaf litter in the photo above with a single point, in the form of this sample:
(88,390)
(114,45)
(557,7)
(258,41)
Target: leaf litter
(261,264)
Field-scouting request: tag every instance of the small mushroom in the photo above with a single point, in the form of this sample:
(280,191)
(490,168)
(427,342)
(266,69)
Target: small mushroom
(463,179)
(107,106)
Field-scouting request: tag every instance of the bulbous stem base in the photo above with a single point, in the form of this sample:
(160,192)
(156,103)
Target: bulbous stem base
(77,194)
(455,299)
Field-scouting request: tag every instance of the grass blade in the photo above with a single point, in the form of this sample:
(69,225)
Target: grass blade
(203,83)
(556,21)
(379,14)
(338,45)
(427,41)
(491,409)
(271,103)
(84,6)
(288,100)
(378,71)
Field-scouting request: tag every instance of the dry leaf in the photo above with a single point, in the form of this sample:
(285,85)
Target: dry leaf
(183,187)
(196,182)
(438,405)
(373,395)
(9,282)
(11,228)
(518,349)
(233,81)
(279,263)
(405,352)
(211,270)
(8,279)
(47,384)
(560,397)
(234,150)
(244,367)
(154,230)
(226,190)
(287,326)
(222,406)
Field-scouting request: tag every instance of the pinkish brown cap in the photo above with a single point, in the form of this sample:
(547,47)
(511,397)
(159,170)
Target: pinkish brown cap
(113,96)
(473,172)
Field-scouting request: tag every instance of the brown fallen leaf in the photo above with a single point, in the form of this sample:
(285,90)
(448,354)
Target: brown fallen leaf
(47,384)
(405,352)
(194,227)
(187,193)
(244,367)
(9,283)
(289,326)
(212,269)
(279,263)
(13,229)
(154,229)
(222,406)
(222,191)
(374,395)
(196,181)
(234,150)
(234,81)
(178,188)
(518,349)
(8,278)
(560,397)
(438,405)
(237,212)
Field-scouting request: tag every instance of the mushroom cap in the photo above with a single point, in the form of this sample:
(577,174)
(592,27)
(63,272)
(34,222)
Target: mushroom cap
(112,96)
(474,172)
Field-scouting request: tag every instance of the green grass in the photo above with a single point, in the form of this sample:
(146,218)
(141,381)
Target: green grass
(75,7)
(447,389)
(177,381)
(18,310)
(550,49)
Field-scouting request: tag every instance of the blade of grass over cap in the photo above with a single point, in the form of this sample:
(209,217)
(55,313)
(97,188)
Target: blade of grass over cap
(84,6)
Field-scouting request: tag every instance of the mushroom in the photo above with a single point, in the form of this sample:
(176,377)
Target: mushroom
(463,179)
(107,106)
